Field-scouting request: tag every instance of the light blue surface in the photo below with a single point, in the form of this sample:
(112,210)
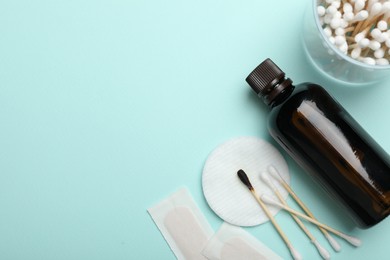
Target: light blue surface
(107,107)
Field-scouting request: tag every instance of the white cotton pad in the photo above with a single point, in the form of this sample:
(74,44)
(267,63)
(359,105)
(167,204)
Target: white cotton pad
(226,195)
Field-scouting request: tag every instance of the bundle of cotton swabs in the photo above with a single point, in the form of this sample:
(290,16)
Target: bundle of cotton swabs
(358,28)
(264,199)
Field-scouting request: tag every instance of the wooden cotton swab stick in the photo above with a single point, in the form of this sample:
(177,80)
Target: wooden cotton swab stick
(244,179)
(275,173)
(352,240)
(323,252)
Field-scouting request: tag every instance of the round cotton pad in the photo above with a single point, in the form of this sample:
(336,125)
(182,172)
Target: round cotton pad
(226,195)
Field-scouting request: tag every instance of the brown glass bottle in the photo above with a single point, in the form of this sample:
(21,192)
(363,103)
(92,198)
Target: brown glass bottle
(327,142)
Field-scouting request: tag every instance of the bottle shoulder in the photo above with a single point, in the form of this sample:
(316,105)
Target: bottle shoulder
(303,92)
(308,89)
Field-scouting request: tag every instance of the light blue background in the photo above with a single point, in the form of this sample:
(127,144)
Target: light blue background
(107,107)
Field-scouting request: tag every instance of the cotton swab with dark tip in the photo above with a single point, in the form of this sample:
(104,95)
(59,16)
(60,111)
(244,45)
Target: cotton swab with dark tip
(352,240)
(245,180)
(275,173)
(321,250)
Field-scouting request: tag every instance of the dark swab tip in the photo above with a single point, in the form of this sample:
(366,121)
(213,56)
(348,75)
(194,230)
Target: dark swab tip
(244,179)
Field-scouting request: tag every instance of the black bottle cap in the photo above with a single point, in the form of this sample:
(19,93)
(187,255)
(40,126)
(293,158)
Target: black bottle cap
(268,81)
(263,78)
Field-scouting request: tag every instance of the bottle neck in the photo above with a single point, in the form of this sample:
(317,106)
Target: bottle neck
(278,93)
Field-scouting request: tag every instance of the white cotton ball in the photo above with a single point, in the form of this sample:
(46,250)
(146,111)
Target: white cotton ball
(355,53)
(383,37)
(382,25)
(368,60)
(321,10)
(344,47)
(335,23)
(336,4)
(386,7)
(379,53)
(327,31)
(331,39)
(348,16)
(337,15)
(347,8)
(388,43)
(374,45)
(371,2)
(376,33)
(362,15)
(375,9)
(360,36)
(339,31)
(359,5)
(382,62)
(339,40)
(328,18)
(363,43)
(331,10)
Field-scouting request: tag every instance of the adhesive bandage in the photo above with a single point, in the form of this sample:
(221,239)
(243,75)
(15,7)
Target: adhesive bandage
(232,242)
(182,224)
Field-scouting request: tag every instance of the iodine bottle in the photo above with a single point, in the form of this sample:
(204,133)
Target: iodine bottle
(327,142)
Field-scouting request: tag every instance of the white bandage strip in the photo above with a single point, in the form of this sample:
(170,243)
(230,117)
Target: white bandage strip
(232,242)
(182,224)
